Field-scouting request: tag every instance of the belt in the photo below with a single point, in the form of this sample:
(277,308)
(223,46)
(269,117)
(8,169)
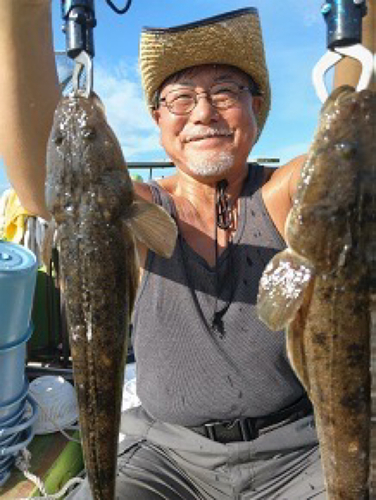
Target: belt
(249,428)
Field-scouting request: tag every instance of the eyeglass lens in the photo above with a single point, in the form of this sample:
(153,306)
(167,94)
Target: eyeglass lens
(222,96)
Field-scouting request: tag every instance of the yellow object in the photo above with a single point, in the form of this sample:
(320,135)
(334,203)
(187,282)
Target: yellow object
(15,219)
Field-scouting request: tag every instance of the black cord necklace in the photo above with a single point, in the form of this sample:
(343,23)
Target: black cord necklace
(224,220)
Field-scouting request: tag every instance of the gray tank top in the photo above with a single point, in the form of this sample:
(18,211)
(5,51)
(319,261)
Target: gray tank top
(188,375)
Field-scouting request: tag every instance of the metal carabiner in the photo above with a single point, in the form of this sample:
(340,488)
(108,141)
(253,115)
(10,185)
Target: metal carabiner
(332,57)
(79,23)
(82,62)
(344,23)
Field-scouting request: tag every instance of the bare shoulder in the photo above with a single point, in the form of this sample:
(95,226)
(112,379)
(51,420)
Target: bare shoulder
(286,177)
(168,184)
(279,190)
(142,191)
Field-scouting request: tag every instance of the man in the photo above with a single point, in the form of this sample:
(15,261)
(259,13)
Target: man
(223,415)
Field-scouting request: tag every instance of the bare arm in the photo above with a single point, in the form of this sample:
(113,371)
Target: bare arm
(279,191)
(28,96)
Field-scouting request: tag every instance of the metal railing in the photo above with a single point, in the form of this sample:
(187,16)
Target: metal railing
(269,163)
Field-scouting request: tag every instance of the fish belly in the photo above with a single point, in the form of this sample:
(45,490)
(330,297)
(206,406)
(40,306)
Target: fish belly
(95,288)
(336,350)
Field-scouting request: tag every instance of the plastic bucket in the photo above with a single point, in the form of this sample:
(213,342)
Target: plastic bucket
(27,421)
(8,440)
(22,441)
(17,437)
(4,477)
(18,270)
(12,369)
(11,408)
(6,463)
(12,420)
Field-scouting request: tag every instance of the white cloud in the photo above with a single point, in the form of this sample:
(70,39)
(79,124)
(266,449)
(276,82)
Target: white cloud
(120,90)
(309,11)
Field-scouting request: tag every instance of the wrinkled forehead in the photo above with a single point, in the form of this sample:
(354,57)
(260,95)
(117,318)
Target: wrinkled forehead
(216,72)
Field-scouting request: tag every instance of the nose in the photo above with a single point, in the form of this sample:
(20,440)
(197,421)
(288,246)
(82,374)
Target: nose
(204,112)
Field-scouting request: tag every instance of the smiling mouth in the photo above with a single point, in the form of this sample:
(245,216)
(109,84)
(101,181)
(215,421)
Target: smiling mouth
(201,137)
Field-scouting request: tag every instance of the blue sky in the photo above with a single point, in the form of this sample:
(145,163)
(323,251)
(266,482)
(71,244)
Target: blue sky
(294,36)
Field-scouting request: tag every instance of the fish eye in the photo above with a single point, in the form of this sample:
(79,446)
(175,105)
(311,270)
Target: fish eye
(89,133)
(347,149)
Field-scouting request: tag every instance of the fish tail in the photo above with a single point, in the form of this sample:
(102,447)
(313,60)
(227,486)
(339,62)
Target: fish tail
(372,461)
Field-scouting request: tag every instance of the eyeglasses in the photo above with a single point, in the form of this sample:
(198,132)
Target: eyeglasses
(222,96)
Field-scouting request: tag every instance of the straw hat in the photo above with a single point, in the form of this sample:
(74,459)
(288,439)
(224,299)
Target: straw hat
(233,38)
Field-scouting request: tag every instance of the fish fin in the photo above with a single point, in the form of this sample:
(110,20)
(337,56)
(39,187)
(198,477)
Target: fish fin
(282,287)
(131,256)
(48,243)
(295,349)
(153,226)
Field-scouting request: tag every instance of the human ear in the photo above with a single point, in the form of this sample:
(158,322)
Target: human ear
(256,103)
(155,115)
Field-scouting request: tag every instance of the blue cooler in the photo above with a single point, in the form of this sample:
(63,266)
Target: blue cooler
(18,272)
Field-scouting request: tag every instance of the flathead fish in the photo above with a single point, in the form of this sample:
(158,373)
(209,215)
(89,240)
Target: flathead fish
(322,288)
(96,219)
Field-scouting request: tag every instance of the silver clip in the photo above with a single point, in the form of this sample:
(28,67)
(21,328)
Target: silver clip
(82,61)
(331,58)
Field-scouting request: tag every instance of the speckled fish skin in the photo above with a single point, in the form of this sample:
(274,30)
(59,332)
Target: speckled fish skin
(321,288)
(89,194)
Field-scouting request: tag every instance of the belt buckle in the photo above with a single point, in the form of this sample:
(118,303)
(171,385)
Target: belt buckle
(209,430)
(247,428)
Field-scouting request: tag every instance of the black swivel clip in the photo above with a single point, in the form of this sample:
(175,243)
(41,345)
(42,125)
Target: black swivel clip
(79,23)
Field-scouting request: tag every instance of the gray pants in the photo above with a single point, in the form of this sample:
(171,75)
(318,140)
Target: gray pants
(164,461)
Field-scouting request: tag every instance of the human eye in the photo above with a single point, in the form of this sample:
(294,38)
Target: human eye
(224,92)
(180,99)
(180,95)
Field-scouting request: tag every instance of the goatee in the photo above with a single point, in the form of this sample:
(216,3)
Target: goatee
(211,164)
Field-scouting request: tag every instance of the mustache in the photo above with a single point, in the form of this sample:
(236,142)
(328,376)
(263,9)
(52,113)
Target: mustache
(205,132)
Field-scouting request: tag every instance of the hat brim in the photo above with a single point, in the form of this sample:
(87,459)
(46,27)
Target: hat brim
(233,39)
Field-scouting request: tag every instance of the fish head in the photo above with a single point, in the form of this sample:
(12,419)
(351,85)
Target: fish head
(84,160)
(345,114)
(332,181)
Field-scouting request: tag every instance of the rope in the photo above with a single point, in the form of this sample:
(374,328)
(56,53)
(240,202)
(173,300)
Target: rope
(23,464)
(57,426)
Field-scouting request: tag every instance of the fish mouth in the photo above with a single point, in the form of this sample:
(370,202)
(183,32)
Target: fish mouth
(200,136)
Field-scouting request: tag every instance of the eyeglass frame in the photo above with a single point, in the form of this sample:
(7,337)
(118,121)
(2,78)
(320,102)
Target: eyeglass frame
(253,89)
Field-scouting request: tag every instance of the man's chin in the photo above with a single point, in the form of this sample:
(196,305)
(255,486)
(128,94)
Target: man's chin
(211,166)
